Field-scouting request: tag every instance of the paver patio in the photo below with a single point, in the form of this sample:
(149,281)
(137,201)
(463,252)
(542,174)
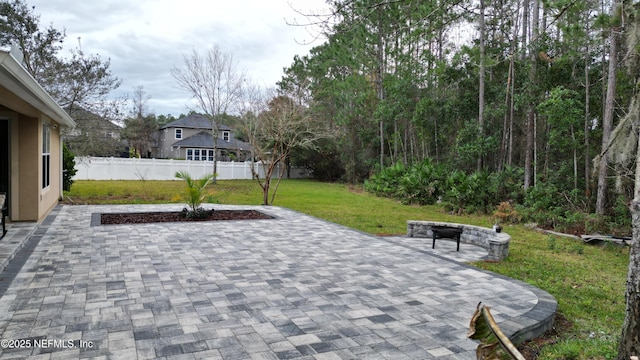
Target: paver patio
(294,287)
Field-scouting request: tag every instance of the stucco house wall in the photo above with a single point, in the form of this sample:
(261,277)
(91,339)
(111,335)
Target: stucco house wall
(28,113)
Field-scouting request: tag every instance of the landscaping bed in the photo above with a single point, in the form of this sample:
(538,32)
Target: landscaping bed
(178,216)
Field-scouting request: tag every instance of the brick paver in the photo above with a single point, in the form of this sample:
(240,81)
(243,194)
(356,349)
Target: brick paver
(294,287)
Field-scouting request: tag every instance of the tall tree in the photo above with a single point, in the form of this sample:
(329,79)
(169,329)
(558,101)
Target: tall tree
(481,25)
(140,128)
(83,82)
(432,86)
(20,26)
(626,147)
(529,157)
(609,109)
(215,81)
(80,83)
(77,82)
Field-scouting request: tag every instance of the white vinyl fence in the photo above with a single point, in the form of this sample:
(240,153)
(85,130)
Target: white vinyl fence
(96,168)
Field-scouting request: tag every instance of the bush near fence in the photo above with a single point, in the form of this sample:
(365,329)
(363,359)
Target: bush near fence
(97,168)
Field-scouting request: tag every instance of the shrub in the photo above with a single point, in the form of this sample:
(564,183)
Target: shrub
(469,193)
(421,184)
(68,167)
(457,189)
(386,183)
(621,214)
(507,184)
(425,183)
(505,212)
(541,205)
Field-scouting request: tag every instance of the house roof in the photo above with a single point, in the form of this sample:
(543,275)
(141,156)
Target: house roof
(17,79)
(87,118)
(204,139)
(194,121)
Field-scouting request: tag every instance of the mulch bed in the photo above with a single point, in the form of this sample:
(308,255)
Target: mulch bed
(176,216)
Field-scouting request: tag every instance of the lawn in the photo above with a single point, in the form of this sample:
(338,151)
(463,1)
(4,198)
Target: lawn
(587,281)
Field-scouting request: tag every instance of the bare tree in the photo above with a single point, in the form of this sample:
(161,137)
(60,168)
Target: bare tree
(215,81)
(274,132)
(141,126)
(140,100)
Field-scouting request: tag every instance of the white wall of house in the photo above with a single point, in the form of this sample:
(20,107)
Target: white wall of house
(94,168)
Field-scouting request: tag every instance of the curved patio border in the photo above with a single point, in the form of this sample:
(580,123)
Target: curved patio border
(520,329)
(525,327)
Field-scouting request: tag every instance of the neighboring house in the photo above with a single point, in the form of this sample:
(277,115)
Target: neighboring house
(30,143)
(94,135)
(190,138)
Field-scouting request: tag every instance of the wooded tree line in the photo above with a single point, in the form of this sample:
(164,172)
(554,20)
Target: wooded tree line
(479,85)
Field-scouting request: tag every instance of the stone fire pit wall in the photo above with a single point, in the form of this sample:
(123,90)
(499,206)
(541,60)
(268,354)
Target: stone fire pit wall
(497,244)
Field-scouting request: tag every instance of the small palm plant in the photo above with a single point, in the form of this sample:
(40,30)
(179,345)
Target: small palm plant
(194,194)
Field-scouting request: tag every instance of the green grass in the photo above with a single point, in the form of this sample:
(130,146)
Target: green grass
(587,281)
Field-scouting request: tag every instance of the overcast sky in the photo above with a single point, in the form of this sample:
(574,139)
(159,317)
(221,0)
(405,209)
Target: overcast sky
(144,39)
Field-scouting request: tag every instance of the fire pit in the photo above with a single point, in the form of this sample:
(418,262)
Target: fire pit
(446,232)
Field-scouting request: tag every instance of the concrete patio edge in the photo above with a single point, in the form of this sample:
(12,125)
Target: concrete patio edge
(528,326)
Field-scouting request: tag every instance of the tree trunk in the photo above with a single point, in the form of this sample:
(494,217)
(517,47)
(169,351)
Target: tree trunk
(481,81)
(266,185)
(525,25)
(512,115)
(575,158)
(215,163)
(607,121)
(380,69)
(529,126)
(265,192)
(214,134)
(630,341)
(506,146)
(587,119)
(505,120)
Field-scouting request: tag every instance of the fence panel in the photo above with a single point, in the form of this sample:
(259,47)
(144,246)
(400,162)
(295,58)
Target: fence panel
(97,168)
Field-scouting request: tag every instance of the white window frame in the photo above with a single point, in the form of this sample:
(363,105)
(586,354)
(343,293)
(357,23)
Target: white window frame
(46,155)
(226,136)
(178,133)
(199,154)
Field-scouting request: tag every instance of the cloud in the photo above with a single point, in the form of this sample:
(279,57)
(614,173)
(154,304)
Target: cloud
(144,39)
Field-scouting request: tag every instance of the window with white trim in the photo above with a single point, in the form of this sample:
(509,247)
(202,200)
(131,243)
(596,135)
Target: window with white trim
(226,136)
(200,154)
(46,155)
(178,134)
